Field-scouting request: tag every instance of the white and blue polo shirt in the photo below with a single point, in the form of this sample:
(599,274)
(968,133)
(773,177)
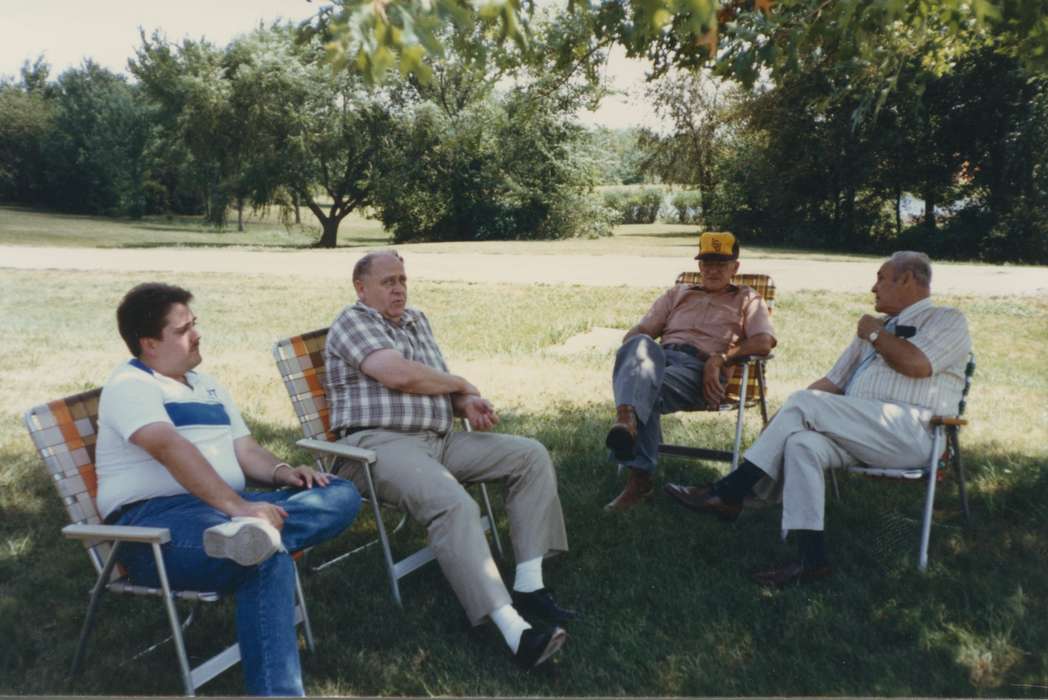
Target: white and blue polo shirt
(135,396)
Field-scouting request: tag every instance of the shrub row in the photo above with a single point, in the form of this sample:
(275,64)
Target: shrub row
(646,205)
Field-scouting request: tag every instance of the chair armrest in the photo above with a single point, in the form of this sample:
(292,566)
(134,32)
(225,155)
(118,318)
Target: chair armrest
(743,359)
(357,454)
(948,420)
(121,533)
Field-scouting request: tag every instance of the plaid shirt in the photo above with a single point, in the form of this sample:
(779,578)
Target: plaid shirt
(357,400)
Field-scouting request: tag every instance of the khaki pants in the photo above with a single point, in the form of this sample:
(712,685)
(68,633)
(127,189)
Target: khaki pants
(815,431)
(421,473)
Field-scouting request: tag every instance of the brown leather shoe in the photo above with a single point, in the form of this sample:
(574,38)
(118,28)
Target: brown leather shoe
(623,433)
(794,572)
(701,500)
(638,488)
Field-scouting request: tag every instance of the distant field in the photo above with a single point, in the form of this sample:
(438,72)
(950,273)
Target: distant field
(36,228)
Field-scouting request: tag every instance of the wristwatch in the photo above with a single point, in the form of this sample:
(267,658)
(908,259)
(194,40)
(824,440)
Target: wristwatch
(873,336)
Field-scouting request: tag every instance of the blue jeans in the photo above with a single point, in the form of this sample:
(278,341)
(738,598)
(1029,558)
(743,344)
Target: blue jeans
(265,594)
(655,381)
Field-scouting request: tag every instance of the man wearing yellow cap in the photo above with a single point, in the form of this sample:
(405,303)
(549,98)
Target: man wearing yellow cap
(678,357)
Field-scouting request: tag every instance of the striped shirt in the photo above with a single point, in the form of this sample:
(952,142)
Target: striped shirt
(357,400)
(135,396)
(942,335)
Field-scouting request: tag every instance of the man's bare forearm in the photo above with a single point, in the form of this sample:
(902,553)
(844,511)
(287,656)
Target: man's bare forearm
(256,461)
(184,461)
(422,379)
(760,344)
(903,356)
(394,371)
(824,384)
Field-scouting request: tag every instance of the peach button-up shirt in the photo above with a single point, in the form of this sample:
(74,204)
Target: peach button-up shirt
(710,322)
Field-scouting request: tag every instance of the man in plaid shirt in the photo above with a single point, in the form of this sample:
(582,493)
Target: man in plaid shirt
(390,391)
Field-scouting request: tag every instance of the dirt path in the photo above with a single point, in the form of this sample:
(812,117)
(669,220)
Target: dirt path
(587,270)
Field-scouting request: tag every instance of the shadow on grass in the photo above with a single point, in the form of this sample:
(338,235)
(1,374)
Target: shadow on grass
(667,604)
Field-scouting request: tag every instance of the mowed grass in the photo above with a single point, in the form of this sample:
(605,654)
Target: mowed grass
(264,229)
(668,607)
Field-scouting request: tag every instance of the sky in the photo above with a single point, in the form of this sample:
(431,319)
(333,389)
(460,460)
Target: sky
(107,31)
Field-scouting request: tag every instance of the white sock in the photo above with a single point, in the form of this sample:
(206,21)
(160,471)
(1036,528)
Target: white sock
(510,624)
(529,576)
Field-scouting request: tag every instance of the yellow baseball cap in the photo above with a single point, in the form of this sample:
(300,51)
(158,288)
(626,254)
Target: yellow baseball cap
(718,245)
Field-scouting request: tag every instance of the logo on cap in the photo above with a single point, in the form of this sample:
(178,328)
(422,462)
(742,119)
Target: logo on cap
(718,246)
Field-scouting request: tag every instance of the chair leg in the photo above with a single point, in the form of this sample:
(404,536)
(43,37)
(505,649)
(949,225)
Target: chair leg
(836,487)
(958,463)
(307,626)
(491,520)
(929,499)
(743,385)
(176,626)
(762,387)
(383,538)
(92,608)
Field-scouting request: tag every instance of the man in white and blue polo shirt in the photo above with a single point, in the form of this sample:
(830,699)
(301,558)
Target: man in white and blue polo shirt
(174,452)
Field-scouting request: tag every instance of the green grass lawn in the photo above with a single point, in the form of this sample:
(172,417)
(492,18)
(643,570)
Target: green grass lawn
(20,226)
(667,603)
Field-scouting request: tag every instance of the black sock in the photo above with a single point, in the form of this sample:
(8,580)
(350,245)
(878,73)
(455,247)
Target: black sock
(812,544)
(736,486)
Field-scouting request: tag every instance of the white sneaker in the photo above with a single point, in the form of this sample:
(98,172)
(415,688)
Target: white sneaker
(246,540)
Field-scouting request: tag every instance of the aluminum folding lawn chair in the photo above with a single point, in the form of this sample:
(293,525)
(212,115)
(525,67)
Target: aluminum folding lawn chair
(300,361)
(64,433)
(748,385)
(945,452)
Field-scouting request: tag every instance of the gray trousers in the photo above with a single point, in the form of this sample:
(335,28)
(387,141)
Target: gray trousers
(421,473)
(654,381)
(815,431)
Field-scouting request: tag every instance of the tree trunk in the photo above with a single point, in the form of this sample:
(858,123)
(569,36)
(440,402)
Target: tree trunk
(295,203)
(849,214)
(329,238)
(240,214)
(898,210)
(929,210)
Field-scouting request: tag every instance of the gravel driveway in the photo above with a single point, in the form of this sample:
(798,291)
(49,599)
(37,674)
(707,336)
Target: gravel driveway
(589,270)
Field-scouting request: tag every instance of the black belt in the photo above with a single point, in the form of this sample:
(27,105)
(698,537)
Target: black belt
(343,432)
(688,350)
(122,511)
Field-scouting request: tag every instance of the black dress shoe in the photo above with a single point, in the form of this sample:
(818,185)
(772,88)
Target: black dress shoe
(794,572)
(701,499)
(540,604)
(538,645)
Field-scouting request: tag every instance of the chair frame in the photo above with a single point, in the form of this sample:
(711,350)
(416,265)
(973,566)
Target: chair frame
(754,368)
(300,361)
(64,433)
(945,452)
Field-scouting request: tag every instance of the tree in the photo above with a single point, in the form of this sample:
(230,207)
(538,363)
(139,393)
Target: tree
(26,118)
(187,85)
(471,162)
(263,118)
(741,37)
(695,105)
(94,150)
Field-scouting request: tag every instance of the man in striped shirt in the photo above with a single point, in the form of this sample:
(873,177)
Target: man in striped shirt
(174,452)
(873,407)
(390,391)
